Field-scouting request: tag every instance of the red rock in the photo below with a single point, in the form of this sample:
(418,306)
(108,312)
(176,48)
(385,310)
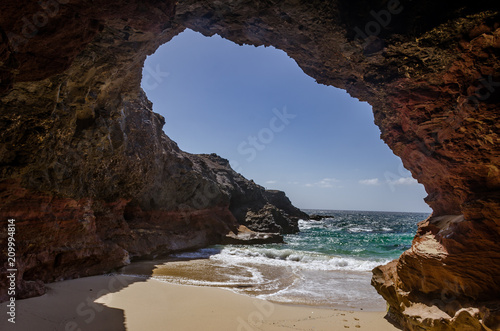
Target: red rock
(85,166)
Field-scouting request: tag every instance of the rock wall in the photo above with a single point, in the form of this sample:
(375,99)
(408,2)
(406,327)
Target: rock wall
(85,168)
(83,153)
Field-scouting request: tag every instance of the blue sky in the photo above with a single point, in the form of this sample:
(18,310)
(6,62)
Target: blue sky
(277,126)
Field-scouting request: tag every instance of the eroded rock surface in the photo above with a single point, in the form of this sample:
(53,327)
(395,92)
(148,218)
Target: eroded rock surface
(245,236)
(86,169)
(270,219)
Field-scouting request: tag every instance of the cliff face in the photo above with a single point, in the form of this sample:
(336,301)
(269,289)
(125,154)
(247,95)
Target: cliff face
(86,170)
(91,178)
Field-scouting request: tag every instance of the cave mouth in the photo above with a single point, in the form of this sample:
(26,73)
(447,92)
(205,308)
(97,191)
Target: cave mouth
(276,125)
(431,84)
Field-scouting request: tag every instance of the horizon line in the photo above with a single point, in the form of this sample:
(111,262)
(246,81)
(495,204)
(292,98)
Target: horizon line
(378,211)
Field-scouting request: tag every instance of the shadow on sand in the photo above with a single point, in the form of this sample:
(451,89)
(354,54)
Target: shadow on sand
(70,305)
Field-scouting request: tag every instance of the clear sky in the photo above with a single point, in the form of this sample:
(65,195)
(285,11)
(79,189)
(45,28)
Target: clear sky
(277,126)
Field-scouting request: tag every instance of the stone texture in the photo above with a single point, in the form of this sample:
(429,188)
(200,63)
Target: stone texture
(270,219)
(85,167)
(81,149)
(248,199)
(281,201)
(245,236)
(447,279)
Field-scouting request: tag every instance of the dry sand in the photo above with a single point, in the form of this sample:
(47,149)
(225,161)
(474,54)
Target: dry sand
(128,303)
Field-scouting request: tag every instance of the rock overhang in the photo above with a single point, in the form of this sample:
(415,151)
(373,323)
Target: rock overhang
(429,70)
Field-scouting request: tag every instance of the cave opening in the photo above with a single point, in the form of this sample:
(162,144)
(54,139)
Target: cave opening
(420,73)
(255,107)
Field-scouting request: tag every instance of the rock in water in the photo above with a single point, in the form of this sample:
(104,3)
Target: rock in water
(316,217)
(245,236)
(271,219)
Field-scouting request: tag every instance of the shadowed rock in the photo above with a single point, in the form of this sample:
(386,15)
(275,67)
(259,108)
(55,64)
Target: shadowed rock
(245,236)
(92,180)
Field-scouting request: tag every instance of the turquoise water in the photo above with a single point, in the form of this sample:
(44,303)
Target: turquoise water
(328,263)
(357,234)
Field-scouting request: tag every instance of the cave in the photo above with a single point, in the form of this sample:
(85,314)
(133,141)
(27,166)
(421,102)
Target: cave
(223,98)
(80,144)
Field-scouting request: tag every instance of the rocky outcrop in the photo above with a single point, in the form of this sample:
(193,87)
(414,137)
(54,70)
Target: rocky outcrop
(316,217)
(245,236)
(270,219)
(440,282)
(85,169)
(281,201)
(252,205)
(84,159)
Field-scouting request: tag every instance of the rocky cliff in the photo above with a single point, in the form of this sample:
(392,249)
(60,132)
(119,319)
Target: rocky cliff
(86,170)
(91,178)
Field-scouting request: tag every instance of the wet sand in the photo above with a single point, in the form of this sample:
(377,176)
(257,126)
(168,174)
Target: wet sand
(131,303)
(344,290)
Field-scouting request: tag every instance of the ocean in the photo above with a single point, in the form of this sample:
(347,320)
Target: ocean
(328,263)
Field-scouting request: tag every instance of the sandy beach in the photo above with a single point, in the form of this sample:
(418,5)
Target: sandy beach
(131,303)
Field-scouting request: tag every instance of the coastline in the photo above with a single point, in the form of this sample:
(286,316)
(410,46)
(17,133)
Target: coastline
(117,302)
(274,280)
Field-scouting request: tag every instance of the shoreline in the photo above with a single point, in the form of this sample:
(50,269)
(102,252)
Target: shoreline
(330,289)
(117,302)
